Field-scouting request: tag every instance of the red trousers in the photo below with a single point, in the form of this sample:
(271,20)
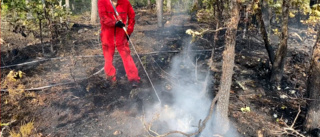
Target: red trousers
(128,63)
(112,36)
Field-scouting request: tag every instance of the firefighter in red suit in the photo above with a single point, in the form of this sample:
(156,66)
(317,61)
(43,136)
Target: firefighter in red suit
(113,35)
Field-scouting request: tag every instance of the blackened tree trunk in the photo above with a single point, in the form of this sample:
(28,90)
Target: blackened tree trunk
(159,4)
(94,11)
(41,38)
(313,114)
(219,11)
(264,32)
(278,65)
(228,63)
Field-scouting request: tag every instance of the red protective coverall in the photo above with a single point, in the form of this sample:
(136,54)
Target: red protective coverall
(112,36)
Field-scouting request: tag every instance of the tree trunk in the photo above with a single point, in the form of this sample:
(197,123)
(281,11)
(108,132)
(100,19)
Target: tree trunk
(159,4)
(67,5)
(264,32)
(169,5)
(313,90)
(60,4)
(246,19)
(149,4)
(29,14)
(41,38)
(228,64)
(215,39)
(269,18)
(72,5)
(219,11)
(68,10)
(94,11)
(278,65)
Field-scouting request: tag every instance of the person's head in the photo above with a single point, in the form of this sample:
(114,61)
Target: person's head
(114,2)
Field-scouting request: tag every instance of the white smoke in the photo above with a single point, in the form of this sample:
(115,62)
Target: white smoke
(190,104)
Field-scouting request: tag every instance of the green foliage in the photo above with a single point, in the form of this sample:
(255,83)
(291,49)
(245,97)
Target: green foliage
(140,3)
(245,109)
(209,4)
(206,14)
(13,9)
(314,15)
(20,13)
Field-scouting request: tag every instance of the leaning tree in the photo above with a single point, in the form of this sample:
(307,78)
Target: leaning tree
(313,90)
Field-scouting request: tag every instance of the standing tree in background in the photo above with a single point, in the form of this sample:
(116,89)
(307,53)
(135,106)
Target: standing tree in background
(264,33)
(149,4)
(67,5)
(313,114)
(169,5)
(228,63)
(278,65)
(159,4)
(94,11)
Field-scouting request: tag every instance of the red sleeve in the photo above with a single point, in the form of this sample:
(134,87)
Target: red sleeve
(106,20)
(131,20)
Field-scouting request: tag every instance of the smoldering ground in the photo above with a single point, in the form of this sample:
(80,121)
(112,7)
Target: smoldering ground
(189,102)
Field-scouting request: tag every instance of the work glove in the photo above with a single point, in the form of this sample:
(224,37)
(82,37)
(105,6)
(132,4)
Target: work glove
(119,24)
(128,36)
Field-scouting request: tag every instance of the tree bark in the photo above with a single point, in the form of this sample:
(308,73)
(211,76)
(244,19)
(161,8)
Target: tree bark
(159,4)
(60,4)
(67,2)
(41,38)
(72,5)
(67,5)
(29,14)
(219,11)
(149,4)
(228,64)
(313,90)
(264,32)
(94,11)
(269,18)
(278,65)
(169,5)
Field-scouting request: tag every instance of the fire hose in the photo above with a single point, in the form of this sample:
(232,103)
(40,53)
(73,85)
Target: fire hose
(117,17)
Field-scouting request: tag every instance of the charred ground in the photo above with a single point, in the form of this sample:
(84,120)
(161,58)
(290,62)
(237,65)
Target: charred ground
(90,107)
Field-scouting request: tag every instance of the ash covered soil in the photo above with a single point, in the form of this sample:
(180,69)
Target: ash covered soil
(90,107)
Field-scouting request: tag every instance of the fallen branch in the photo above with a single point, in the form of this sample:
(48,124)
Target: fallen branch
(48,59)
(91,56)
(289,130)
(54,85)
(6,126)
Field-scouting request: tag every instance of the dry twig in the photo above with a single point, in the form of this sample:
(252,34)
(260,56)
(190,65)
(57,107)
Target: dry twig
(289,130)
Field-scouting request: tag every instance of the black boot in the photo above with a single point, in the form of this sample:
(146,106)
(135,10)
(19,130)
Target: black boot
(134,84)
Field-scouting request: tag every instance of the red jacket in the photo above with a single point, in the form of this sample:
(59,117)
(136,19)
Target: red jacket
(109,33)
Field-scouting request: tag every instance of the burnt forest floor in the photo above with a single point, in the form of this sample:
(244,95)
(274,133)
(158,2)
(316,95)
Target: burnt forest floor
(88,106)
